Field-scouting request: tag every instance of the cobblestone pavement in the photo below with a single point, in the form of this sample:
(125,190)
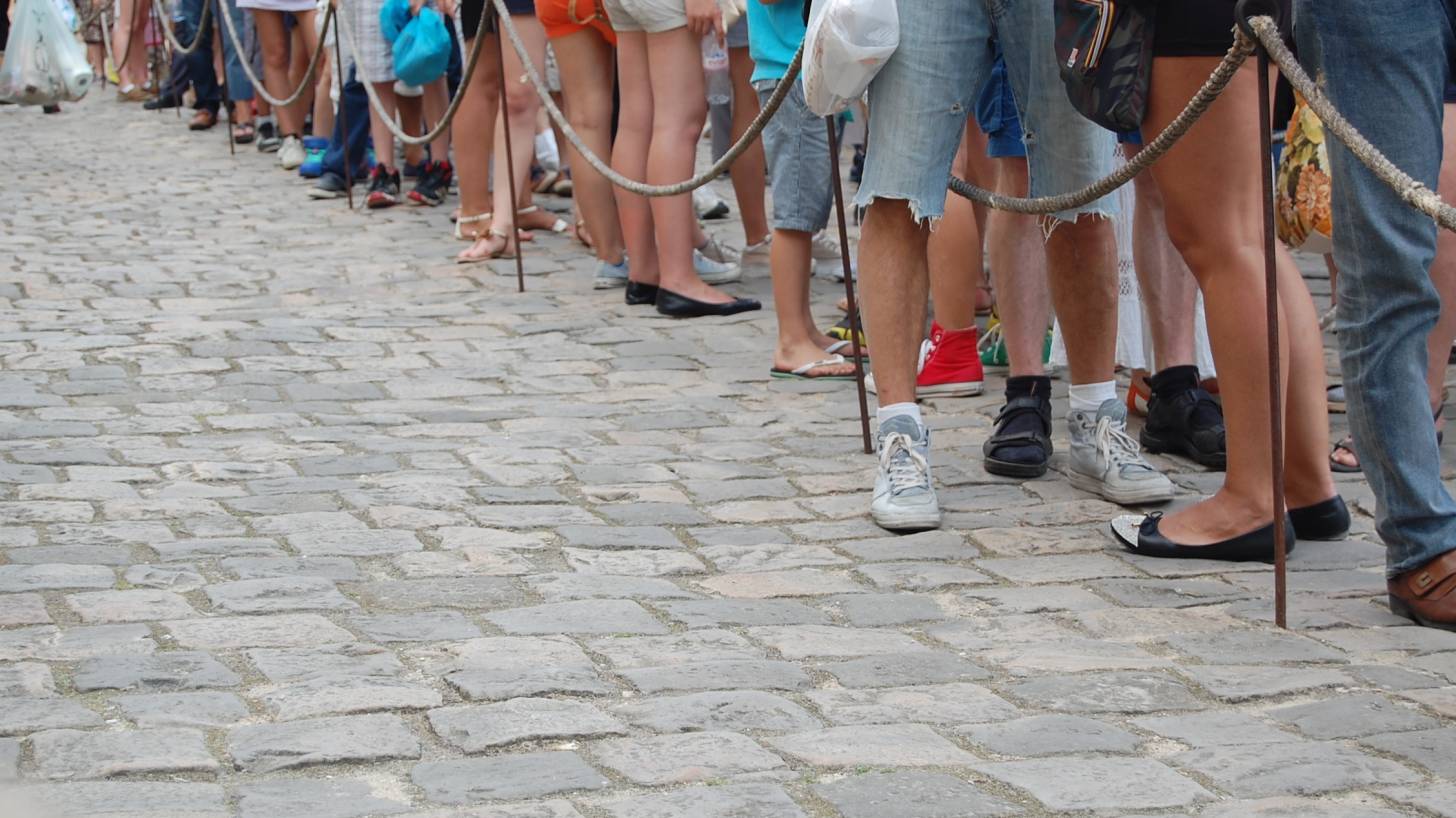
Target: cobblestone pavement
(300,519)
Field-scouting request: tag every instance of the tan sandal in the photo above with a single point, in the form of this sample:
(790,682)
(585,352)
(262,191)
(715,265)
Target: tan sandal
(504,251)
(473,234)
(559,225)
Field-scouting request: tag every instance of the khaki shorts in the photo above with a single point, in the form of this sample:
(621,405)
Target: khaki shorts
(651,16)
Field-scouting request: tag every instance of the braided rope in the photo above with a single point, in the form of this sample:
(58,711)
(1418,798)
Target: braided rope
(1410,191)
(168,29)
(342,30)
(602,167)
(258,85)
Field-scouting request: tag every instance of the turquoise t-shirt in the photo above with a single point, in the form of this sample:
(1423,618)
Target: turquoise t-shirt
(774,33)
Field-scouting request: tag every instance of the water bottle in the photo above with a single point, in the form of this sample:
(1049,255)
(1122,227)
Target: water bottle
(715,69)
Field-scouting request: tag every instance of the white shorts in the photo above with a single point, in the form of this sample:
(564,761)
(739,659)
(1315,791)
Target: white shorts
(651,16)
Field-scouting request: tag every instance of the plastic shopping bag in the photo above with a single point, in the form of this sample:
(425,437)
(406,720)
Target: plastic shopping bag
(421,43)
(847,43)
(44,62)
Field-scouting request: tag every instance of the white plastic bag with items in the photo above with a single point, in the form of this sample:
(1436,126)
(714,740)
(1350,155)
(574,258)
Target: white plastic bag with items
(847,43)
(44,61)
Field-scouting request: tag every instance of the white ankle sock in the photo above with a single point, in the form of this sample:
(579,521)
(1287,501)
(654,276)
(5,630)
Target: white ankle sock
(884,413)
(1089,397)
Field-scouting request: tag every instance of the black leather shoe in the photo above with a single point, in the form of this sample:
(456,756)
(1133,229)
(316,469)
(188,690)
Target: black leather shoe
(1144,538)
(638,293)
(1184,419)
(1329,520)
(163,101)
(679,306)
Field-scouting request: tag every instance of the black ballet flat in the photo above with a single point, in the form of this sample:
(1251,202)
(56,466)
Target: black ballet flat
(680,306)
(1329,520)
(639,293)
(1142,537)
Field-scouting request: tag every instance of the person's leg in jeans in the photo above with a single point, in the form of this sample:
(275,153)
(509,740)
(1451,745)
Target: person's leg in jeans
(239,87)
(199,62)
(355,142)
(1388,304)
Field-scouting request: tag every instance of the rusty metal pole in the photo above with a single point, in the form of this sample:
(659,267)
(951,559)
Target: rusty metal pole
(500,56)
(1271,301)
(854,328)
(343,115)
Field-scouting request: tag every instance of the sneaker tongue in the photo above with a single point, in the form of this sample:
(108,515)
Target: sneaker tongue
(903,424)
(1113,409)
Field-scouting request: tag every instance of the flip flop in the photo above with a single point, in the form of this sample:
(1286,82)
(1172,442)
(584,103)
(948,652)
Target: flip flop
(801,373)
(845,346)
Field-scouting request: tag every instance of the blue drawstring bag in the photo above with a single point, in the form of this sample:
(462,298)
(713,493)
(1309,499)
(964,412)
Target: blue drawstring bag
(421,43)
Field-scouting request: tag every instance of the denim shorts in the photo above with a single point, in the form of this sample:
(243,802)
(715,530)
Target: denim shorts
(796,144)
(920,100)
(737,34)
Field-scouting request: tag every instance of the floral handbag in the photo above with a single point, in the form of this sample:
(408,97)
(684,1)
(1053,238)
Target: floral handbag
(1302,186)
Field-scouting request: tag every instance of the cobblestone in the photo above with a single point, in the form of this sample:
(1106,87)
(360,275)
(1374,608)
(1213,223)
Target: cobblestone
(300,518)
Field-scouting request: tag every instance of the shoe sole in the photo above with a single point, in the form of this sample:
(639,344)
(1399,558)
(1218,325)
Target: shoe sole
(719,212)
(1134,497)
(379,205)
(906,522)
(1158,445)
(1401,608)
(608,283)
(324,194)
(1011,468)
(965,389)
(716,280)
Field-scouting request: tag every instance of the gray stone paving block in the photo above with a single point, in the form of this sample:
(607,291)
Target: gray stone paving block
(770,557)
(926,545)
(9,759)
(1041,599)
(1439,799)
(332,798)
(699,613)
(921,576)
(1387,677)
(70,555)
(1169,593)
(891,669)
(910,794)
(1051,735)
(479,727)
(1433,749)
(338,569)
(212,709)
(586,616)
(1119,784)
(211,547)
(172,670)
(770,584)
(426,626)
(1106,693)
(805,641)
(880,745)
(690,646)
(1214,728)
(178,578)
(265,748)
(76,643)
(1305,768)
(330,695)
(1237,683)
(129,606)
(733,710)
(125,799)
(1254,647)
(685,758)
(876,610)
(732,801)
(1295,808)
(336,660)
(54,576)
(618,536)
(1441,663)
(371,542)
(724,675)
(510,667)
(1352,716)
(538,809)
(232,632)
(98,754)
(28,714)
(26,679)
(566,587)
(523,775)
(23,609)
(548,515)
(469,593)
(1056,568)
(953,703)
(278,594)
(638,562)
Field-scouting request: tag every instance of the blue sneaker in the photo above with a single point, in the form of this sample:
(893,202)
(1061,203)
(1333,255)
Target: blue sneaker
(611,275)
(313,157)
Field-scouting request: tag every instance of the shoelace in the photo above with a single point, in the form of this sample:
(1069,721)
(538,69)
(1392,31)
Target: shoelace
(927,349)
(990,339)
(1116,447)
(908,472)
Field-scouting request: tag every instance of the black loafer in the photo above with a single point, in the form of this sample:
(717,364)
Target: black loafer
(1144,538)
(639,293)
(1329,520)
(679,306)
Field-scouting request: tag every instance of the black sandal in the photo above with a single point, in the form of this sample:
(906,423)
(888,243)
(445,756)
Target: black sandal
(1348,445)
(1040,437)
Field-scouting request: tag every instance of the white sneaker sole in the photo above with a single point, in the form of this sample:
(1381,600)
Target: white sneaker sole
(1122,497)
(906,521)
(965,389)
(608,283)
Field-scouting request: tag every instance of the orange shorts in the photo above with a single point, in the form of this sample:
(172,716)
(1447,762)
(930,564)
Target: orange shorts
(563,17)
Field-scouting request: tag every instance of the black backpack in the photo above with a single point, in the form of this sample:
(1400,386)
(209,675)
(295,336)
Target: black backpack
(1105,51)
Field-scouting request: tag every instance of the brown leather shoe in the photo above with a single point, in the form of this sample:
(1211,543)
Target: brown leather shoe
(202,120)
(1427,594)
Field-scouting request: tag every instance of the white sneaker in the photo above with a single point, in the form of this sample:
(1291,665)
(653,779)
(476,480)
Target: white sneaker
(904,496)
(759,248)
(715,272)
(719,253)
(1106,461)
(291,153)
(824,248)
(709,205)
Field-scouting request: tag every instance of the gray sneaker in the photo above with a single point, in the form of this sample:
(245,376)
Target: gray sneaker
(904,497)
(715,272)
(1106,461)
(610,275)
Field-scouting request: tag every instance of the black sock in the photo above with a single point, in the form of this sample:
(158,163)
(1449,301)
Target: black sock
(1022,386)
(1177,379)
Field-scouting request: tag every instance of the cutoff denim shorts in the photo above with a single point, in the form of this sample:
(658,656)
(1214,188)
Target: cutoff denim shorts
(796,144)
(920,100)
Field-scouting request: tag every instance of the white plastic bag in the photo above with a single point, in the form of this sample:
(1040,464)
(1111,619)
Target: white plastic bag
(847,43)
(44,62)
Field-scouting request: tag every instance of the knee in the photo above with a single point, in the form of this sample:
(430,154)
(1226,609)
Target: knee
(521,100)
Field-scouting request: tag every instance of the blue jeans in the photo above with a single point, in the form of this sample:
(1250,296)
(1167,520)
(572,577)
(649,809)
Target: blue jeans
(199,62)
(1383,248)
(239,87)
(355,102)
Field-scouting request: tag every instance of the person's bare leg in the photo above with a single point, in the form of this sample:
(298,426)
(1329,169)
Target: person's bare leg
(473,126)
(123,44)
(436,100)
(747,172)
(412,121)
(298,57)
(679,110)
(953,255)
(1169,291)
(1443,275)
(521,103)
(273,41)
(585,62)
(799,342)
(323,103)
(1019,274)
(894,282)
(1082,272)
(629,155)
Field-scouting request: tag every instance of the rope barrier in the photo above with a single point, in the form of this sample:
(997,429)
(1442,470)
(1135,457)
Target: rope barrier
(341,28)
(258,84)
(130,38)
(168,29)
(641,188)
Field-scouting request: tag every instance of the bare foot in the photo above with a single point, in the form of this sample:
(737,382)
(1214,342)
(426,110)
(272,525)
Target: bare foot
(1218,518)
(491,245)
(693,287)
(787,359)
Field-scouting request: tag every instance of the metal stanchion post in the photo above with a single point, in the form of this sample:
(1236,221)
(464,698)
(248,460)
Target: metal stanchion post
(342,114)
(854,327)
(500,56)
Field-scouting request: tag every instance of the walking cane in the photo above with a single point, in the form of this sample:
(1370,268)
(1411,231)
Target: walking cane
(495,25)
(854,328)
(1244,10)
(342,114)
(227,97)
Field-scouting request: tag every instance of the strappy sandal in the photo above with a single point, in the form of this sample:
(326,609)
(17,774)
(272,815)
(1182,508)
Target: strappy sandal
(473,234)
(504,252)
(243,133)
(557,226)
(845,349)
(1347,444)
(1040,437)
